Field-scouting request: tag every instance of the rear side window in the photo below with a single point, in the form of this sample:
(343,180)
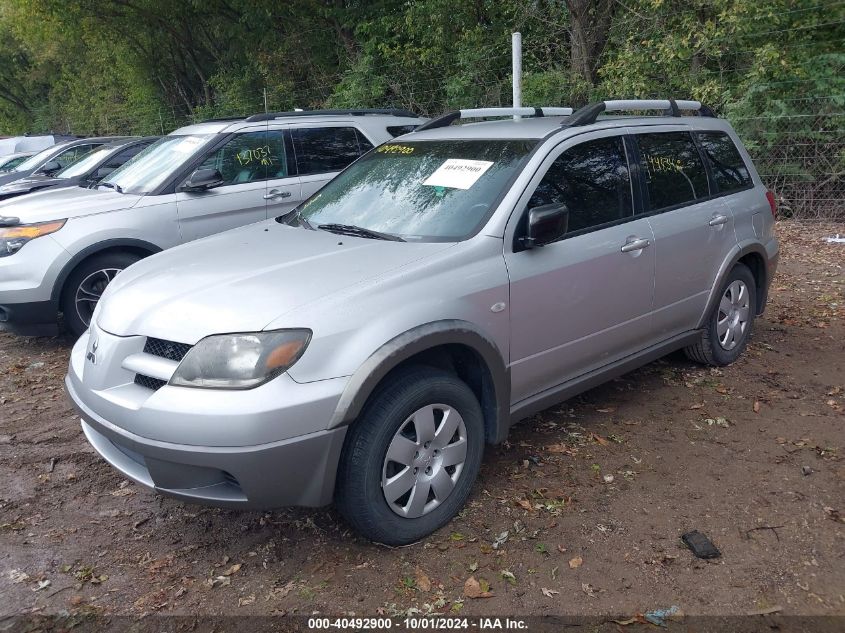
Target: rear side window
(728,168)
(327,149)
(673,169)
(592,180)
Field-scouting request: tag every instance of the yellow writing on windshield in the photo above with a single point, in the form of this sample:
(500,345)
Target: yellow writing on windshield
(395,149)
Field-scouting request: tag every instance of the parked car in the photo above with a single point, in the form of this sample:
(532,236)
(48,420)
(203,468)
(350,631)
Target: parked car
(55,158)
(10,161)
(364,346)
(31,142)
(89,169)
(199,180)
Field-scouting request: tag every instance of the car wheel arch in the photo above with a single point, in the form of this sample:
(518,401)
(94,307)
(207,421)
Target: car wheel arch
(753,255)
(141,247)
(456,345)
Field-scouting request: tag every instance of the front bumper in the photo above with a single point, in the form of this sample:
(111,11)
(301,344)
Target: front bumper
(38,318)
(27,281)
(297,470)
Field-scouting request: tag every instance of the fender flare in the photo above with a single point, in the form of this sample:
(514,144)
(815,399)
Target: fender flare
(738,252)
(93,249)
(363,382)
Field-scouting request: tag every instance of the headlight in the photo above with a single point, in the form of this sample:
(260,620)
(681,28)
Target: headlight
(240,361)
(12,238)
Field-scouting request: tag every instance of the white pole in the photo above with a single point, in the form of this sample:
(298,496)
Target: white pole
(516,48)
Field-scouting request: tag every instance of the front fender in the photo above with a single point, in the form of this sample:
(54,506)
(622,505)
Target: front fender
(419,339)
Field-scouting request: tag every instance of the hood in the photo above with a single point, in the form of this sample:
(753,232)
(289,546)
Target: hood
(242,280)
(22,185)
(31,182)
(65,202)
(12,176)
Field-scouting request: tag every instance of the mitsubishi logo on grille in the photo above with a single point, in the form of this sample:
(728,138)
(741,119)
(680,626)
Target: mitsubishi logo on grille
(92,352)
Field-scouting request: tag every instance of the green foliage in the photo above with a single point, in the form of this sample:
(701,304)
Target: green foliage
(774,67)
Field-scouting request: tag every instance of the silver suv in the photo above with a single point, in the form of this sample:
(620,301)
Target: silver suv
(199,180)
(365,346)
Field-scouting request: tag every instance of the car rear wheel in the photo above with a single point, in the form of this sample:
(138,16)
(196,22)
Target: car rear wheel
(410,460)
(728,328)
(85,286)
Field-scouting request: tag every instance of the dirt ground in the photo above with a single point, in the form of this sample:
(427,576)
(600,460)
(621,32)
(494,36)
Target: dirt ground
(579,513)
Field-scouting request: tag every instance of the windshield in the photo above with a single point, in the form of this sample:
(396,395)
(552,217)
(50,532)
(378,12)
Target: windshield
(34,161)
(421,191)
(9,164)
(152,167)
(85,164)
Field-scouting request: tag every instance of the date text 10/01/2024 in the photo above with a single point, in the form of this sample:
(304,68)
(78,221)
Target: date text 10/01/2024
(417,624)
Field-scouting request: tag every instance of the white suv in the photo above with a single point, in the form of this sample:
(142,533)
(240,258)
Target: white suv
(200,180)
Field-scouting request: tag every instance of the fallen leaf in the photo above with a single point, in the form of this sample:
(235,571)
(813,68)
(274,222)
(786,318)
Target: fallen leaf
(524,503)
(557,448)
(17,576)
(247,600)
(473,589)
(588,589)
(42,584)
(508,576)
(501,539)
(423,581)
(576,562)
(234,569)
(756,406)
(549,593)
(700,405)
(600,439)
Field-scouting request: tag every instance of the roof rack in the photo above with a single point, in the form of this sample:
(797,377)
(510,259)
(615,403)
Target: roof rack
(269,116)
(670,107)
(447,119)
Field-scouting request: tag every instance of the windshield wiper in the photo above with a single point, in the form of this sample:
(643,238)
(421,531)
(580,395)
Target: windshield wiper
(358,231)
(111,185)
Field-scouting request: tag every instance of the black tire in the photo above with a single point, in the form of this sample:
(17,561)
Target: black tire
(358,494)
(708,350)
(76,315)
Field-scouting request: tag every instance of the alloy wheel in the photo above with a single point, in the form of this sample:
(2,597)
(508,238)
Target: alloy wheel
(424,460)
(734,312)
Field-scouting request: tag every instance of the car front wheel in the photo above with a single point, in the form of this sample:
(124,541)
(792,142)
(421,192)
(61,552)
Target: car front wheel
(410,460)
(85,286)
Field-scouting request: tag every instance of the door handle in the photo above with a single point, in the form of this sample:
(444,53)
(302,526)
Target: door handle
(275,193)
(716,220)
(635,244)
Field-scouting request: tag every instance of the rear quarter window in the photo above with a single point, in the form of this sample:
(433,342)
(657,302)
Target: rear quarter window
(327,149)
(729,170)
(673,169)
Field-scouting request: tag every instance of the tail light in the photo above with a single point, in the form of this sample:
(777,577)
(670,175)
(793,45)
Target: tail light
(772,204)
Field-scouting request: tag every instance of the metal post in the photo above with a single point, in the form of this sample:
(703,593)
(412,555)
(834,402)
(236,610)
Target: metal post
(516,51)
(265,101)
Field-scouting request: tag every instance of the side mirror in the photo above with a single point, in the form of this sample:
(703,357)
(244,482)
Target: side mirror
(50,167)
(203,179)
(546,223)
(102,172)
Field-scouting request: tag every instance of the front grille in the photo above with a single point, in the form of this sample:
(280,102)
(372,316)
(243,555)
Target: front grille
(148,382)
(166,349)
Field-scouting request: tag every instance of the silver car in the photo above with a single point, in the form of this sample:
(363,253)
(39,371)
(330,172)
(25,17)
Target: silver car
(365,346)
(199,180)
